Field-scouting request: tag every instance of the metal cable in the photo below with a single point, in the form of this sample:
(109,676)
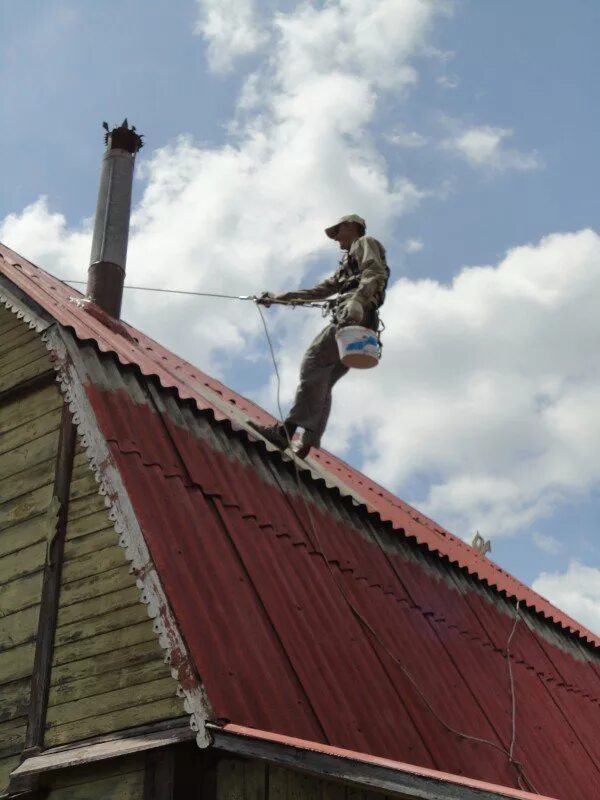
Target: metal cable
(292,303)
(509,753)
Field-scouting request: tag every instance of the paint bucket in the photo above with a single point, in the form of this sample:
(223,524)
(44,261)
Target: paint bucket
(358,346)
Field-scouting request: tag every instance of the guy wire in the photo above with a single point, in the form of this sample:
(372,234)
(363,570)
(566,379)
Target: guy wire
(509,753)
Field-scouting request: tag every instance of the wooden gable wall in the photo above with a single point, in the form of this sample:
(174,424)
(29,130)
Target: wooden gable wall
(107,669)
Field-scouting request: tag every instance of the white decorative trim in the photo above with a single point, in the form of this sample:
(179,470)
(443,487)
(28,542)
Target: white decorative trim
(12,303)
(70,369)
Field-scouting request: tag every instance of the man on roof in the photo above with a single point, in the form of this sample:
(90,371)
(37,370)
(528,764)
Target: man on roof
(359,286)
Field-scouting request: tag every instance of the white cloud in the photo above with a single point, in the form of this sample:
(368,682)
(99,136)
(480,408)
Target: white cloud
(403,138)
(249,215)
(548,544)
(413,245)
(484,146)
(577,591)
(488,387)
(449,82)
(231,28)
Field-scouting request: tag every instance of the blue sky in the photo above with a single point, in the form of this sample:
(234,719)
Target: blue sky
(462,130)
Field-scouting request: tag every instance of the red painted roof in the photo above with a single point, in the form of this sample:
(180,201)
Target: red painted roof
(265,606)
(209,394)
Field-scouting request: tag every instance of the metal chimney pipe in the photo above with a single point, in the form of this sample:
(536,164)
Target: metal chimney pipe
(106,273)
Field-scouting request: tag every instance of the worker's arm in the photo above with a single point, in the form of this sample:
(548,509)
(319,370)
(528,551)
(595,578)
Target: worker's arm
(319,292)
(374,272)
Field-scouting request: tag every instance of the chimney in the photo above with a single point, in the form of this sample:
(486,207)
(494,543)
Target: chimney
(106,273)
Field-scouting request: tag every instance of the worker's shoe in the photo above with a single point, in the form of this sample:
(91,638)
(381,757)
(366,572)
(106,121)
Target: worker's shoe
(278,435)
(301,450)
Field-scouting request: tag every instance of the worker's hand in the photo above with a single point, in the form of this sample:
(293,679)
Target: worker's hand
(265,299)
(352,312)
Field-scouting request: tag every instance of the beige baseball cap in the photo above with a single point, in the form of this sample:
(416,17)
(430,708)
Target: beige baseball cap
(332,231)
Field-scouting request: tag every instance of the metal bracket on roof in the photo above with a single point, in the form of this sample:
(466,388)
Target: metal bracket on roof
(94,310)
(480,544)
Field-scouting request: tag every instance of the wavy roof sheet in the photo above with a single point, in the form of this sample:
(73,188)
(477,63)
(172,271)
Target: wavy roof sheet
(132,347)
(264,576)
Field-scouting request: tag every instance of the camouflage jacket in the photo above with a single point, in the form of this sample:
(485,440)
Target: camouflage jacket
(362,275)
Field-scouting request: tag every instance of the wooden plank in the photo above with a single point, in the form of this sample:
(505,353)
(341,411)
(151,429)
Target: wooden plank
(115,700)
(119,746)
(7,765)
(12,736)
(24,562)
(16,413)
(78,775)
(119,787)
(22,353)
(96,606)
(75,776)
(27,387)
(134,614)
(21,594)
(168,708)
(9,320)
(104,643)
(83,506)
(333,791)
(18,628)
(28,454)
(20,489)
(255,780)
(93,542)
(17,663)
(19,337)
(231,779)
(25,507)
(33,429)
(23,534)
(15,700)
(90,522)
(90,564)
(24,373)
(96,585)
(84,486)
(98,665)
(97,685)
(303,787)
(277,783)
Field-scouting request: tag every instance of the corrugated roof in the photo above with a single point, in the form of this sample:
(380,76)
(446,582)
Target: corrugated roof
(132,347)
(265,610)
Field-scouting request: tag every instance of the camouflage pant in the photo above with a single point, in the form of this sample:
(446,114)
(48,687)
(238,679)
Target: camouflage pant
(321,369)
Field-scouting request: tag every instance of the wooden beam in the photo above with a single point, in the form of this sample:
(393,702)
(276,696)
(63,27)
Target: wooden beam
(85,753)
(30,385)
(40,681)
(401,780)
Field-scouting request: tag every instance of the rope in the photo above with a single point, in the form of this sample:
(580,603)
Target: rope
(292,303)
(509,753)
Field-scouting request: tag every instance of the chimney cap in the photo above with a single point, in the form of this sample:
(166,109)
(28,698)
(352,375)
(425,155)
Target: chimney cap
(123,137)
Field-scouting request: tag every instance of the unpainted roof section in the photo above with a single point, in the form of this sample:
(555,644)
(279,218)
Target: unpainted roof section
(132,347)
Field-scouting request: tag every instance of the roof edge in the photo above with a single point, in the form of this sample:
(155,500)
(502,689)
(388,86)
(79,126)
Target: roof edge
(360,768)
(131,538)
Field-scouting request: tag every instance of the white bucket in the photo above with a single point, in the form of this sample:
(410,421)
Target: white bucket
(358,346)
